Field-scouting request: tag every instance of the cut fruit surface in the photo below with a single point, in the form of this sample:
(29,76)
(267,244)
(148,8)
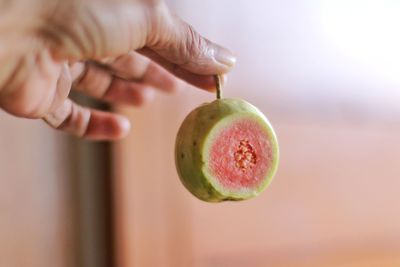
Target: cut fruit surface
(241,155)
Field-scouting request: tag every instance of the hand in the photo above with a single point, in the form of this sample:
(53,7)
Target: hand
(116,51)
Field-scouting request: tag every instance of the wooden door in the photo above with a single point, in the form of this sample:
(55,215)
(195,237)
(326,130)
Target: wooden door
(37,225)
(55,197)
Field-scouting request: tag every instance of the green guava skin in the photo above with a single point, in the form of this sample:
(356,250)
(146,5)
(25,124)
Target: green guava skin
(190,146)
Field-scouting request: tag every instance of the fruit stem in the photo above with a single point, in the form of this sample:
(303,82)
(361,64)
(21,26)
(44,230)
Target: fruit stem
(218,85)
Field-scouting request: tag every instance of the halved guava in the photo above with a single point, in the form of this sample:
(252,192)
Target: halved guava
(226,150)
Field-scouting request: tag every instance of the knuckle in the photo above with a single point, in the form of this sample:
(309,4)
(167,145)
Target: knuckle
(193,41)
(194,47)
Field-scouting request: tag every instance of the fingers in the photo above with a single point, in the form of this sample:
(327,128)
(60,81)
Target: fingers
(129,79)
(88,123)
(136,67)
(206,82)
(178,43)
(129,93)
(99,83)
(93,31)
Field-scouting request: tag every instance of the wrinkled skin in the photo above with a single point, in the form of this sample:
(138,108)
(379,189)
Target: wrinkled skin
(116,51)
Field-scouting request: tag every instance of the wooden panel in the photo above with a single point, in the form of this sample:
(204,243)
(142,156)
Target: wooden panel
(37,222)
(151,227)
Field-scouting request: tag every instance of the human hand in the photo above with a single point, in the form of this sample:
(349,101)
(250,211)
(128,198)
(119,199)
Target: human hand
(116,51)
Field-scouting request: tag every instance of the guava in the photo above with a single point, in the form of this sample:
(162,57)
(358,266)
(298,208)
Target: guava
(226,150)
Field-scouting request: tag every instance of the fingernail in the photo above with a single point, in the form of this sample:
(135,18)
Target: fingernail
(225,57)
(124,125)
(77,70)
(224,79)
(148,95)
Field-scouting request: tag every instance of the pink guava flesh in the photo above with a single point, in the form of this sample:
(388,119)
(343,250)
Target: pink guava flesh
(241,155)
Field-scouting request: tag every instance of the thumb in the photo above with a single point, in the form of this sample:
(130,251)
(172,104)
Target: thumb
(179,43)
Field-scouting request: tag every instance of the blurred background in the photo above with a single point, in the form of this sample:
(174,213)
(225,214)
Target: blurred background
(327,75)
